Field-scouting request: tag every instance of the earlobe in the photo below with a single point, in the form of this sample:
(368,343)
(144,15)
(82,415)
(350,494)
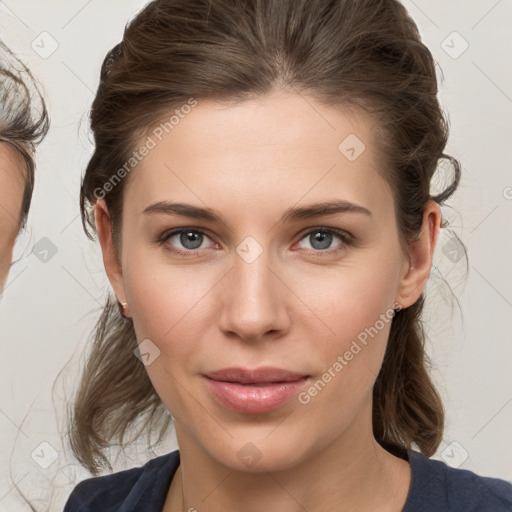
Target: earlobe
(110,260)
(421,251)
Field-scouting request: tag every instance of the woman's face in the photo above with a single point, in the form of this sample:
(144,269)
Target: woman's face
(12,185)
(276,283)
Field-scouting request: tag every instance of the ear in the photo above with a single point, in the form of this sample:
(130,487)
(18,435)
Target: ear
(110,260)
(416,270)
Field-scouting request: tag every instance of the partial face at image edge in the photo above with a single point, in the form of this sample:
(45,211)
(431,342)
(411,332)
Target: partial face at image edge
(12,187)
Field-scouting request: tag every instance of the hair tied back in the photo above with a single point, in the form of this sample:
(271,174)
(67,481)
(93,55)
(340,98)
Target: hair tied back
(111,57)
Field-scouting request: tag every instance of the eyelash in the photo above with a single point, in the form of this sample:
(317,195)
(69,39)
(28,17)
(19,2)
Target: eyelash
(346,239)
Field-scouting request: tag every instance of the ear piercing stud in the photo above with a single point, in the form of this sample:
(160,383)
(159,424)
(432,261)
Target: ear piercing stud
(121,306)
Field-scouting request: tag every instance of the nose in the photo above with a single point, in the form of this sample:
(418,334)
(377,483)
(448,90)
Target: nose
(253,301)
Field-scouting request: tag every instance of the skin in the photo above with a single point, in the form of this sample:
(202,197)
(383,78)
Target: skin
(297,306)
(12,185)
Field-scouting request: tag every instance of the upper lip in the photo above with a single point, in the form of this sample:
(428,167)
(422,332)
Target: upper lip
(256,376)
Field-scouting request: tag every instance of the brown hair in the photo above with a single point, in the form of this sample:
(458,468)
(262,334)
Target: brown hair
(365,54)
(21,125)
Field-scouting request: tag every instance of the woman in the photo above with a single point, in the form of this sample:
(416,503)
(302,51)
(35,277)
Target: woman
(260,188)
(22,127)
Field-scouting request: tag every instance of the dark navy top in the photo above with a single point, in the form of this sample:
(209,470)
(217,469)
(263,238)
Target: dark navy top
(435,487)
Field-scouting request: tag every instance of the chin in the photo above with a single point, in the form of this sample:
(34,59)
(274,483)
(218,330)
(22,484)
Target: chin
(255,451)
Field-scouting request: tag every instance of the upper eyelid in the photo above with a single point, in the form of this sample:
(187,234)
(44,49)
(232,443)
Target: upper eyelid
(343,235)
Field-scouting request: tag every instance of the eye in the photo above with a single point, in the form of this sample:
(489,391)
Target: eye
(321,239)
(186,241)
(190,239)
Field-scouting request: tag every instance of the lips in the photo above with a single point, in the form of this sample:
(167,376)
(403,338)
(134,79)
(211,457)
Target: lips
(254,391)
(264,375)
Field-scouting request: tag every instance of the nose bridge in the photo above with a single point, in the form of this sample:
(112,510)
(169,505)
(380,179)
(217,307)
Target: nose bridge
(252,302)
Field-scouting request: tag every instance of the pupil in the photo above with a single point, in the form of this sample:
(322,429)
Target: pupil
(186,239)
(324,239)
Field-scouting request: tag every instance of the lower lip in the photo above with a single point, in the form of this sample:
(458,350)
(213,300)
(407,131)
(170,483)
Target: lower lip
(249,398)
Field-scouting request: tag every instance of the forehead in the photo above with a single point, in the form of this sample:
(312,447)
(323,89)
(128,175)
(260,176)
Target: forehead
(285,145)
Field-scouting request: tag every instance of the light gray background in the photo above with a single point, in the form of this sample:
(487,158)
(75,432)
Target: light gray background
(49,308)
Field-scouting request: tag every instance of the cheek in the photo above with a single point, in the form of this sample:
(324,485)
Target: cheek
(166,308)
(351,361)
(165,299)
(171,306)
(356,309)
(348,299)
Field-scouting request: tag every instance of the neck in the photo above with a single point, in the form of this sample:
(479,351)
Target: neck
(352,473)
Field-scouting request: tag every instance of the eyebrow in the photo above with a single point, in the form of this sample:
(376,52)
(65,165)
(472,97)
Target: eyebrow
(290,215)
